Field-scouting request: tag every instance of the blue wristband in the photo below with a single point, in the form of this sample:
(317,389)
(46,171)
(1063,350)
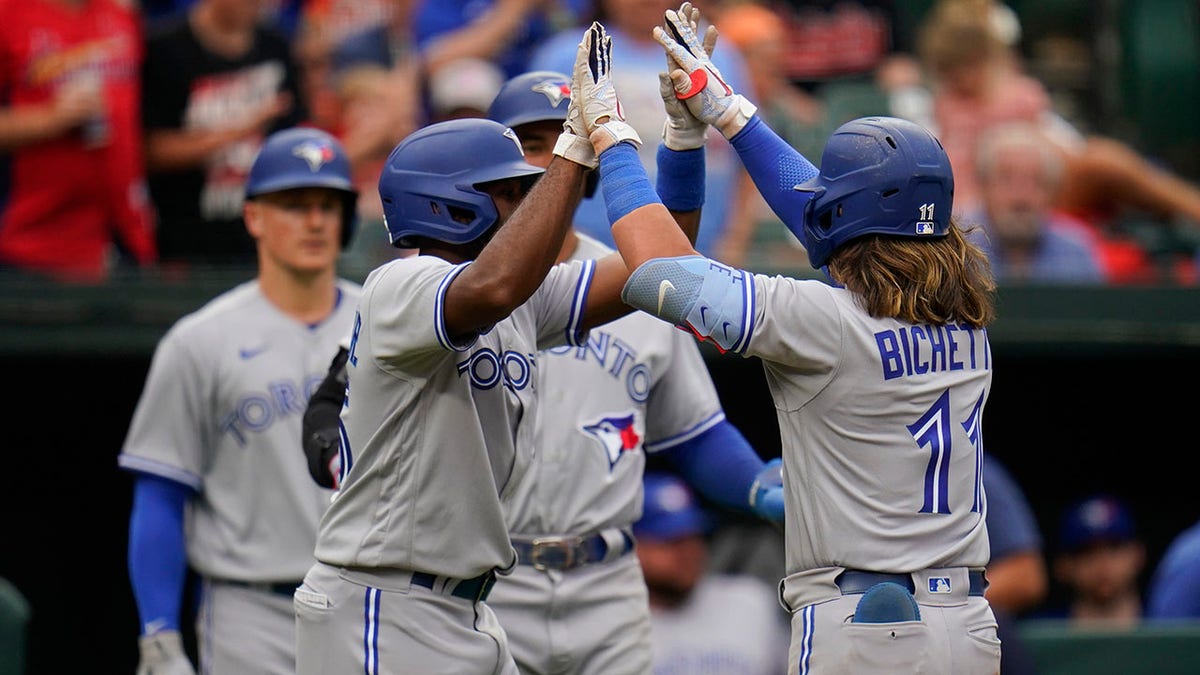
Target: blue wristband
(623,182)
(680,181)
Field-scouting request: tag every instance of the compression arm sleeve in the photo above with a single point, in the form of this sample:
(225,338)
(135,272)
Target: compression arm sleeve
(777,168)
(157,553)
(719,463)
(714,301)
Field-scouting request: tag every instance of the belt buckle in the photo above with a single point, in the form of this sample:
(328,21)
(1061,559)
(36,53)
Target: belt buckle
(552,553)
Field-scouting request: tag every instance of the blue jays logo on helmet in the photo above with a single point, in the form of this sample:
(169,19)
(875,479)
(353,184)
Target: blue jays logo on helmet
(555,92)
(616,435)
(535,96)
(315,154)
(879,175)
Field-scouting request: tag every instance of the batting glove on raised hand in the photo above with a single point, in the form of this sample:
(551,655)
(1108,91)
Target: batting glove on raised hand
(162,653)
(593,96)
(697,81)
(766,492)
(682,131)
(573,143)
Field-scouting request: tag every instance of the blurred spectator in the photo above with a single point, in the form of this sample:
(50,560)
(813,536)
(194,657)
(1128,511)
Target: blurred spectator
(72,183)
(463,88)
(637,60)
(968,49)
(1174,590)
(1016,573)
(503,31)
(218,83)
(1019,173)
(701,622)
(283,15)
(1100,557)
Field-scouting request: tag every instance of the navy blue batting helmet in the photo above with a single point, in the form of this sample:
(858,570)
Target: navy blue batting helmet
(532,97)
(429,183)
(303,157)
(879,175)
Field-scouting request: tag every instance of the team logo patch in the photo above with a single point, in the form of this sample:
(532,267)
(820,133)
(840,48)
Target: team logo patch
(939,585)
(315,154)
(616,435)
(555,92)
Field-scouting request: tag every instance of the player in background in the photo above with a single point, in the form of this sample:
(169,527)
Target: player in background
(213,438)
(638,386)
(879,379)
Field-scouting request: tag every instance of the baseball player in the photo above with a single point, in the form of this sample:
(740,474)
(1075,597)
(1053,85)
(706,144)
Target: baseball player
(638,386)
(213,438)
(879,379)
(437,427)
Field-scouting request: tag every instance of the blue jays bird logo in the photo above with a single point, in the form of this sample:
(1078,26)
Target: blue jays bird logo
(616,435)
(556,92)
(316,154)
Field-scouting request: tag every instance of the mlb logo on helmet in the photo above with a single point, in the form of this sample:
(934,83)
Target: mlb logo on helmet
(924,227)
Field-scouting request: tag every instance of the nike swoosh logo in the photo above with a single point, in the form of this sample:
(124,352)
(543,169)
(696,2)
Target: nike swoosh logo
(251,353)
(725,329)
(704,315)
(662,292)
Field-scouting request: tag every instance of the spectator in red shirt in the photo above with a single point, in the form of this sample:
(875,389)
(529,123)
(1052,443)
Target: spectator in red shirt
(72,182)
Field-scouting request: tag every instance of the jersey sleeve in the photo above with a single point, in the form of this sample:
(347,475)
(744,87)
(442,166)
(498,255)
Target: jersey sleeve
(558,304)
(683,402)
(795,323)
(405,301)
(166,435)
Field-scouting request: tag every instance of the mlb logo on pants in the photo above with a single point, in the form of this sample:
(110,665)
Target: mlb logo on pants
(939,584)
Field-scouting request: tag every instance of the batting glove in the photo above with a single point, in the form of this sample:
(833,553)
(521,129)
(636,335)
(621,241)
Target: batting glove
(162,654)
(766,492)
(573,143)
(682,131)
(597,105)
(697,81)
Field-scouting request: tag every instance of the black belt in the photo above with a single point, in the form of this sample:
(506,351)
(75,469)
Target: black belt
(858,581)
(564,553)
(284,588)
(475,589)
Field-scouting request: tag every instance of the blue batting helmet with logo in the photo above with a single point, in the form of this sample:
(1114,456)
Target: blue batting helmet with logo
(303,157)
(429,183)
(879,175)
(532,97)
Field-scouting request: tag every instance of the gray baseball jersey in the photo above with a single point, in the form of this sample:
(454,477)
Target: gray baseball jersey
(638,384)
(221,412)
(881,429)
(439,434)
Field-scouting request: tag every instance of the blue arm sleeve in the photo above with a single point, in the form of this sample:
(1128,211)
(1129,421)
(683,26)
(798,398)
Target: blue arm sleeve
(720,464)
(776,169)
(157,554)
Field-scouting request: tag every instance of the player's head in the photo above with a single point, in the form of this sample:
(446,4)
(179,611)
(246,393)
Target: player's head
(879,175)
(434,183)
(670,534)
(534,105)
(298,158)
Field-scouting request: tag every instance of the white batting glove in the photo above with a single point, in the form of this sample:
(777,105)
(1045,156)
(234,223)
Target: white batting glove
(162,653)
(697,81)
(573,143)
(593,96)
(682,131)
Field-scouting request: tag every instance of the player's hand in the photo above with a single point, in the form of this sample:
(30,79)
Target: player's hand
(593,96)
(766,492)
(682,131)
(573,143)
(162,653)
(697,81)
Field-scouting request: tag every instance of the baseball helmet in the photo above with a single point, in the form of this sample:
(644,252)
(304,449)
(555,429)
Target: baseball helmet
(536,96)
(432,176)
(303,157)
(879,175)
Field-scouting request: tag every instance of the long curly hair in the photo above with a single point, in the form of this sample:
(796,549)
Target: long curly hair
(933,281)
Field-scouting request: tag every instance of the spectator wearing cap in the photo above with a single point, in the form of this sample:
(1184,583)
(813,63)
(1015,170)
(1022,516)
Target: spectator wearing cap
(702,622)
(1174,591)
(1099,561)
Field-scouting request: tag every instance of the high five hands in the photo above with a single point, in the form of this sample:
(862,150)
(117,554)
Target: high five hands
(696,81)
